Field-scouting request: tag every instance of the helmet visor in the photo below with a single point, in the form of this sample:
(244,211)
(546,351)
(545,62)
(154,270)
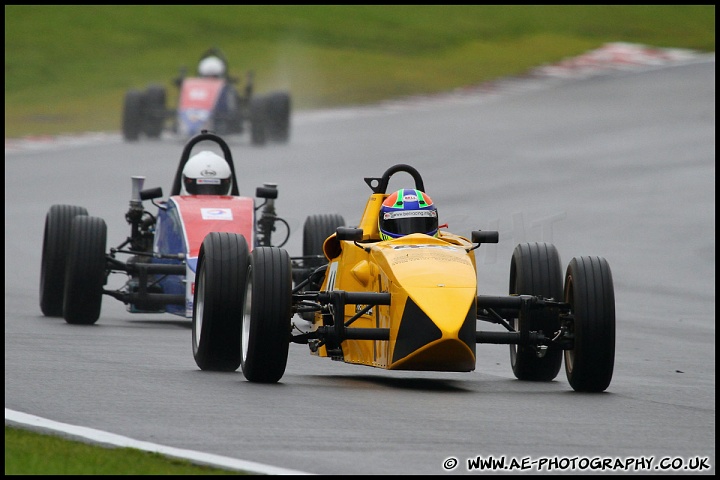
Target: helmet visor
(407,222)
(207,186)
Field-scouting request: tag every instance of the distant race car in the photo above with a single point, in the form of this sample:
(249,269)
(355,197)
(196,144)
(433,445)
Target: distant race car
(407,303)
(159,257)
(208,101)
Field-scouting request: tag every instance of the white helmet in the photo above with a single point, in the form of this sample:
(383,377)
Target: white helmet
(206,173)
(211,67)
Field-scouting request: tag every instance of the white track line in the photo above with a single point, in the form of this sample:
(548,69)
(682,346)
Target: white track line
(98,436)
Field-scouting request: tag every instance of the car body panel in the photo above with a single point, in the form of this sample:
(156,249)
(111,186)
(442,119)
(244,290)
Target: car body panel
(200,93)
(202,214)
(183,223)
(433,285)
(199,97)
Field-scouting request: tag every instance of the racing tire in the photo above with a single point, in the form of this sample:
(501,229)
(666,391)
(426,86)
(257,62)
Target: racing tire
(316,230)
(278,116)
(154,113)
(132,121)
(268,313)
(589,291)
(258,121)
(237,119)
(536,270)
(56,239)
(218,301)
(86,270)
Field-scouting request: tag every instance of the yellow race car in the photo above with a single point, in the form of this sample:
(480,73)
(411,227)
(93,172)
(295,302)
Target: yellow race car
(398,300)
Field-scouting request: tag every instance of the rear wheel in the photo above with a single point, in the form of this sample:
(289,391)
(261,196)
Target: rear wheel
(56,240)
(267,318)
(132,121)
(535,270)
(238,113)
(316,230)
(86,270)
(258,121)
(589,291)
(278,116)
(218,301)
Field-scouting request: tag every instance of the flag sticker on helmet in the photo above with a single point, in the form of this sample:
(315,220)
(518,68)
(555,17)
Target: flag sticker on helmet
(216,213)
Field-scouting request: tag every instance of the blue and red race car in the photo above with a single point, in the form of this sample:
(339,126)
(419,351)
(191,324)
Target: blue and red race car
(208,101)
(160,255)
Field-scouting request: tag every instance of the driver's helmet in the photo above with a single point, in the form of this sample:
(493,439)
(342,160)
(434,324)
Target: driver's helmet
(206,173)
(407,211)
(211,66)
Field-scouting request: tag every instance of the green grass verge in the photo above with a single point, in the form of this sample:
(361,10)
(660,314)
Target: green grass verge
(67,68)
(28,452)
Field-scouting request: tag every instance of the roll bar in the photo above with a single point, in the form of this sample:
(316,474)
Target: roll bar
(204,136)
(379,185)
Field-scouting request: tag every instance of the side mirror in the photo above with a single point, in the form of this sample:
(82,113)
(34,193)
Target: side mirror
(349,233)
(485,236)
(269,191)
(151,193)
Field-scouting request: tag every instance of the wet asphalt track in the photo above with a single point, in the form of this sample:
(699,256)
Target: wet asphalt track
(619,165)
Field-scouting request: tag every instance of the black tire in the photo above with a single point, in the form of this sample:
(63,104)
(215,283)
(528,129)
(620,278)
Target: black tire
(86,270)
(154,111)
(278,115)
(219,301)
(535,269)
(258,121)
(590,292)
(316,230)
(132,121)
(54,257)
(237,118)
(268,313)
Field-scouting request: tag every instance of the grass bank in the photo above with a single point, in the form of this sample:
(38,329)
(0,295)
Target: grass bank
(67,68)
(28,452)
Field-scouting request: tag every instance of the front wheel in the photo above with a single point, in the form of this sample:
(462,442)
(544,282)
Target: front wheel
(56,240)
(218,301)
(589,291)
(86,270)
(267,318)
